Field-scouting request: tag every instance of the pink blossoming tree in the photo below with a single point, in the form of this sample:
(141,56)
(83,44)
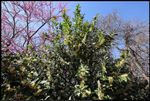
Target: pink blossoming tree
(24,21)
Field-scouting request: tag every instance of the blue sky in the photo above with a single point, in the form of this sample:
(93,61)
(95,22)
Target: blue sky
(127,10)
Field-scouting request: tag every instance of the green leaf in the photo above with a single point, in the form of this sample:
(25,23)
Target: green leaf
(101,39)
(43,82)
(99,92)
(120,63)
(88,92)
(34,60)
(104,68)
(123,77)
(38,92)
(110,79)
(84,39)
(30,46)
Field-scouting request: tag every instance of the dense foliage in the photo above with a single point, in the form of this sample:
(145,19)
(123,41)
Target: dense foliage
(77,64)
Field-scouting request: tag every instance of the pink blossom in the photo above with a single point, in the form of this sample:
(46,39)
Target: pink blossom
(18,21)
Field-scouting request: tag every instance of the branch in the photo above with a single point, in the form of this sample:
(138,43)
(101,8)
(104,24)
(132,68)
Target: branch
(44,24)
(138,65)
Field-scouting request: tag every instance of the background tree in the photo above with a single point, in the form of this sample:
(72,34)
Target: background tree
(136,38)
(132,36)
